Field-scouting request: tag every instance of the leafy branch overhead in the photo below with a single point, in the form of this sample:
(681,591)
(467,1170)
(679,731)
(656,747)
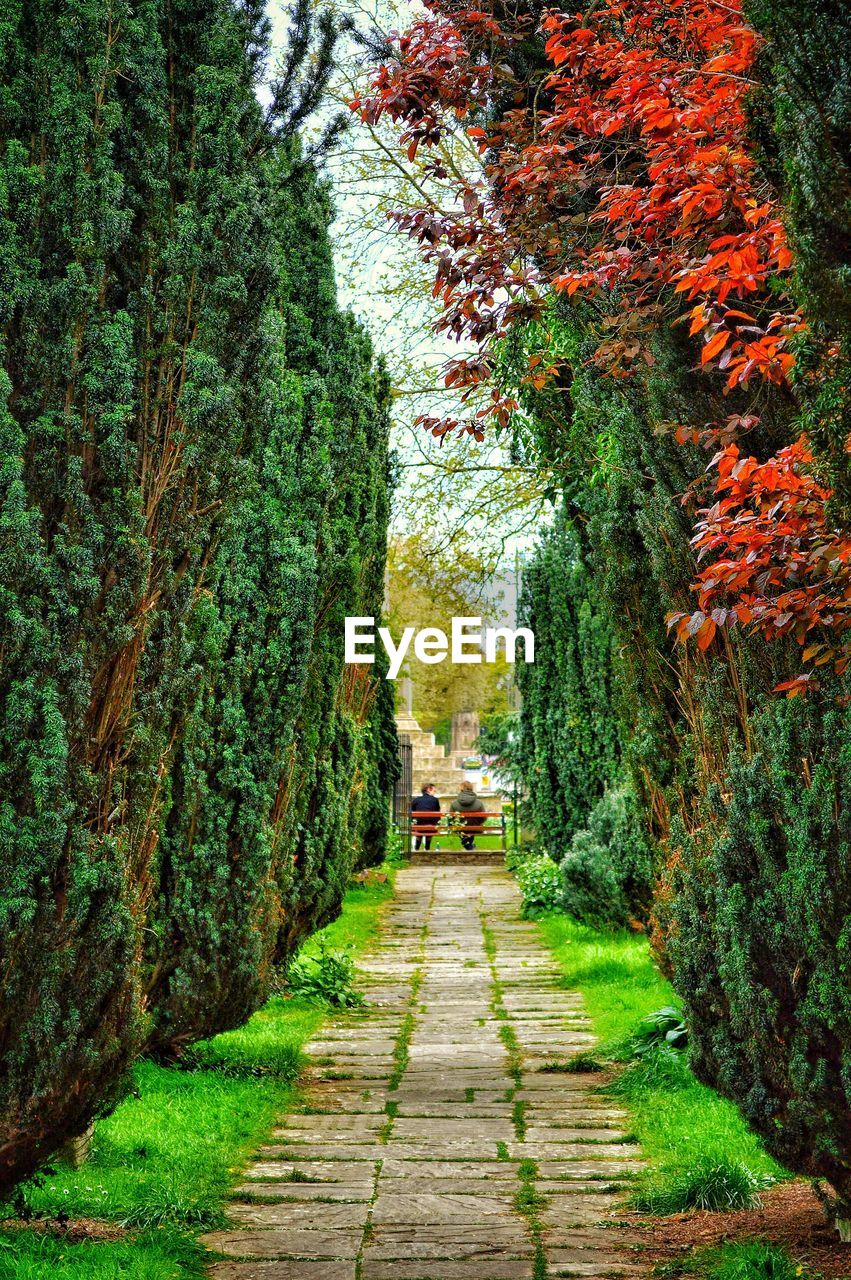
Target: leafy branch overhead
(618,169)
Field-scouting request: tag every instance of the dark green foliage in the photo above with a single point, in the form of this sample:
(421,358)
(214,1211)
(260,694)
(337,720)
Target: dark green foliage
(75,562)
(572,737)
(383,766)
(135,354)
(345,733)
(570,744)
(218,901)
(761,945)
(193,494)
(745,792)
(261,742)
(608,868)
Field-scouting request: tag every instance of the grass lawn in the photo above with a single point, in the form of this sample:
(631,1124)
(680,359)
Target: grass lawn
(679,1123)
(163,1163)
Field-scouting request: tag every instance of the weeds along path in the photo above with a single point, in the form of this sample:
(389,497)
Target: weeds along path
(436,1143)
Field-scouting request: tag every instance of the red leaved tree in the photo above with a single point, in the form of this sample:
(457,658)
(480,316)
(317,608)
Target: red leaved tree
(616,164)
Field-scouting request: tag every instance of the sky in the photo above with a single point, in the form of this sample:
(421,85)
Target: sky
(459,490)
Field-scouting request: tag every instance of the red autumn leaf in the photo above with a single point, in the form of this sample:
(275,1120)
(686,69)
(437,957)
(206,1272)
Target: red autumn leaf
(714,345)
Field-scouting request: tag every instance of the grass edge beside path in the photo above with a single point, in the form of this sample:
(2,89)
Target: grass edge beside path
(164,1163)
(679,1123)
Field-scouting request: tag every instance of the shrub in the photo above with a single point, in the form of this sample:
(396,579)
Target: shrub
(664,1029)
(761,937)
(540,884)
(518,854)
(132,167)
(326,978)
(259,782)
(569,740)
(193,491)
(608,867)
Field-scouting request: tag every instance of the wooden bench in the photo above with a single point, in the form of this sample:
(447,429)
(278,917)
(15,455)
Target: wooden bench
(487,825)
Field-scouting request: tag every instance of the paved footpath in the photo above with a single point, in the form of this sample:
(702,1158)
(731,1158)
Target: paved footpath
(436,1143)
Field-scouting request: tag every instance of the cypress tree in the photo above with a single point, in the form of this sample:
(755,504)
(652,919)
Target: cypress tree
(285,574)
(760,948)
(570,745)
(761,879)
(571,751)
(74,563)
(345,735)
(170,486)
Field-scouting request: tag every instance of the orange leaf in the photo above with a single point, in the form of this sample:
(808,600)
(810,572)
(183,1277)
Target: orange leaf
(714,345)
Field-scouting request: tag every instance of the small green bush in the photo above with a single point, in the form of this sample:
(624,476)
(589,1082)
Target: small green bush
(710,1185)
(540,884)
(325,978)
(607,871)
(664,1027)
(520,853)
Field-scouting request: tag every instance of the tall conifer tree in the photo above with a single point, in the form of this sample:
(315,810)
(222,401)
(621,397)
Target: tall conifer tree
(281,728)
(160,504)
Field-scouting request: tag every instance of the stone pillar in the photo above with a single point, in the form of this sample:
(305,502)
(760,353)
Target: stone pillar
(465,731)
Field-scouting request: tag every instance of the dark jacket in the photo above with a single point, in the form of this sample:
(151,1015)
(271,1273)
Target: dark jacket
(468,804)
(425,804)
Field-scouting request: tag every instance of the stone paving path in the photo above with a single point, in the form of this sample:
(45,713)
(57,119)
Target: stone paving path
(436,1144)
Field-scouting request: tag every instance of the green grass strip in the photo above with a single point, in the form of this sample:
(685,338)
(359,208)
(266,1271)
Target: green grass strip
(678,1121)
(162,1164)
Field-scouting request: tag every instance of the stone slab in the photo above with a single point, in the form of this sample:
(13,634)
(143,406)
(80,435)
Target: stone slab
(289,1243)
(283,1270)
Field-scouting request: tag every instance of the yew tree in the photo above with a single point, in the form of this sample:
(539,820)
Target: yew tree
(167,473)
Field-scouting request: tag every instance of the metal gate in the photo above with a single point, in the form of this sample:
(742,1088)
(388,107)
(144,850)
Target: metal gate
(403,792)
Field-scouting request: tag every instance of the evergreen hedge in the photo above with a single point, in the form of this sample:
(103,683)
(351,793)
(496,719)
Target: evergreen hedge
(569,746)
(761,942)
(243,878)
(759,881)
(573,726)
(194,490)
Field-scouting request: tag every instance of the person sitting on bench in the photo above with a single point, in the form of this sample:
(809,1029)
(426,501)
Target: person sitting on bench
(425,828)
(472,811)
